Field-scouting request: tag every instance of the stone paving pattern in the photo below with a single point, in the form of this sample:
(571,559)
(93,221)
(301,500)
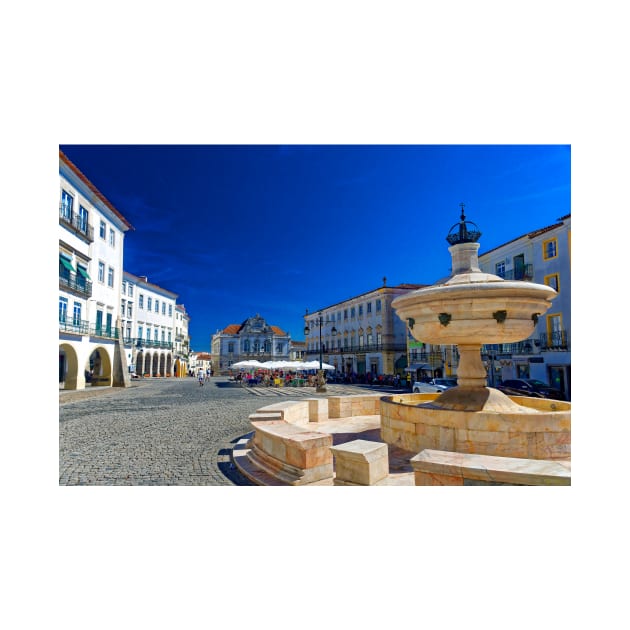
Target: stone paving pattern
(162,432)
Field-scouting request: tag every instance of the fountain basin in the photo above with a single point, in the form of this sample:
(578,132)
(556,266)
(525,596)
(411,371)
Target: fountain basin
(460,313)
(535,428)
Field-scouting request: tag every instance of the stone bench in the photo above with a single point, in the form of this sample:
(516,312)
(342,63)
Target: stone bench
(445,468)
(358,405)
(289,453)
(360,463)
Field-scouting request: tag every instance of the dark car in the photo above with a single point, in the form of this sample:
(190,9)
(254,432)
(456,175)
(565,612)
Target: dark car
(531,387)
(443,383)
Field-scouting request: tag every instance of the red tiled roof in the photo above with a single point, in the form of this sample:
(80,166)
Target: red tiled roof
(278,331)
(232,329)
(93,188)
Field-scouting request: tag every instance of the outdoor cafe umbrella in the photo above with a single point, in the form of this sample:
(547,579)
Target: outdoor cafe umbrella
(253,363)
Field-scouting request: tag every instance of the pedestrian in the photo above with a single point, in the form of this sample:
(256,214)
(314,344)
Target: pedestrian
(207,374)
(200,377)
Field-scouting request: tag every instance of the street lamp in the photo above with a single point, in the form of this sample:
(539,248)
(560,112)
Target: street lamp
(321,381)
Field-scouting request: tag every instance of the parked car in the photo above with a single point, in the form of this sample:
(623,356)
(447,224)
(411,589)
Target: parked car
(426,388)
(443,383)
(532,387)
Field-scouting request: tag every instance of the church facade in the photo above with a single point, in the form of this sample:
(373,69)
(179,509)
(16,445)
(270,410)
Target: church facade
(253,339)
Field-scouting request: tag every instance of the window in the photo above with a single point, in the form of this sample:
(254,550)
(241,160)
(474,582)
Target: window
(149,303)
(169,336)
(65,267)
(163,336)
(63,309)
(130,290)
(157,306)
(110,277)
(369,307)
(101,230)
(361,340)
(83,219)
(553,281)
(170,310)
(112,237)
(66,205)
(124,288)
(369,339)
(122,307)
(550,249)
(230,346)
(163,308)
(129,310)
(76,314)
(352,312)
(345,313)
(141,301)
(499,269)
(378,306)
(379,338)
(280,348)
(139,332)
(148,333)
(101,271)
(360,310)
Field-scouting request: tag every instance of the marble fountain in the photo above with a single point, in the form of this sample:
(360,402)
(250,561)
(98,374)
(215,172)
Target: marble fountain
(471,434)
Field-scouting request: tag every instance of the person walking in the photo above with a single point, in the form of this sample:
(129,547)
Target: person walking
(200,377)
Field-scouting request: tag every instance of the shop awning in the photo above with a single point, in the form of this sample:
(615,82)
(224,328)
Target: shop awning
(419,366)
(83,272)
(66,263)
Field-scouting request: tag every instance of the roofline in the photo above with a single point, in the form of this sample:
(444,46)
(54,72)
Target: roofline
(64,158)
(141,280)
(530,235)
(410,286)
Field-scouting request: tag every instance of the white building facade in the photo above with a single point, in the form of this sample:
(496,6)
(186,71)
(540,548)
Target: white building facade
(542,256)
(361,336)
(91,239)
(149,324)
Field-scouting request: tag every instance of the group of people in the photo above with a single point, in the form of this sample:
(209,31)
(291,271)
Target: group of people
(204,375)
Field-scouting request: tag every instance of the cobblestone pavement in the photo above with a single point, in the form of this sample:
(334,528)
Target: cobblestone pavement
(160,432)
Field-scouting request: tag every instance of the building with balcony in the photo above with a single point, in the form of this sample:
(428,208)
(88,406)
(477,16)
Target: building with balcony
(149,324)
(182,340)
(91,237)
(542,256)
(360,335)
(253,339)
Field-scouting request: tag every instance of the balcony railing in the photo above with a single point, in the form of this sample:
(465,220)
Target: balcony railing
(558,340)
(140,343)
(74,326)
(373,347)
(77,283)
(78,225)
(526,272)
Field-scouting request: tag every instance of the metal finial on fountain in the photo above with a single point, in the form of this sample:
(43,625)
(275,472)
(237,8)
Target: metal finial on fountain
(463,234)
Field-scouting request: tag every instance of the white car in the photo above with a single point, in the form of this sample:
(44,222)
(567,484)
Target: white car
(426,388)
(443,383)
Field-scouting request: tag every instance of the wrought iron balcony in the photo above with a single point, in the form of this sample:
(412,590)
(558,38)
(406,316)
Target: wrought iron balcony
(373,347)
(74,326)
(75,223)
(526,272)
(558,340)
(77,283)
(140,343)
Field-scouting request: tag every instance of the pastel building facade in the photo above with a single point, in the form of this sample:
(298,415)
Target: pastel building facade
(252,339)
(542,256)
(91,244)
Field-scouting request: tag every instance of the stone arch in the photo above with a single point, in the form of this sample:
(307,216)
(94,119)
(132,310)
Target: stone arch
(68,367)
(99,367)
(162,367)
(146,368)
(169,365)
(154,364)
(139,363)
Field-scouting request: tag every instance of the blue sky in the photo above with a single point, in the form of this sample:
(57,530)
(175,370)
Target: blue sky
(237,230)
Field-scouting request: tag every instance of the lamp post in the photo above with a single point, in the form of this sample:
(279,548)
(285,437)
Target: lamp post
(321,381)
